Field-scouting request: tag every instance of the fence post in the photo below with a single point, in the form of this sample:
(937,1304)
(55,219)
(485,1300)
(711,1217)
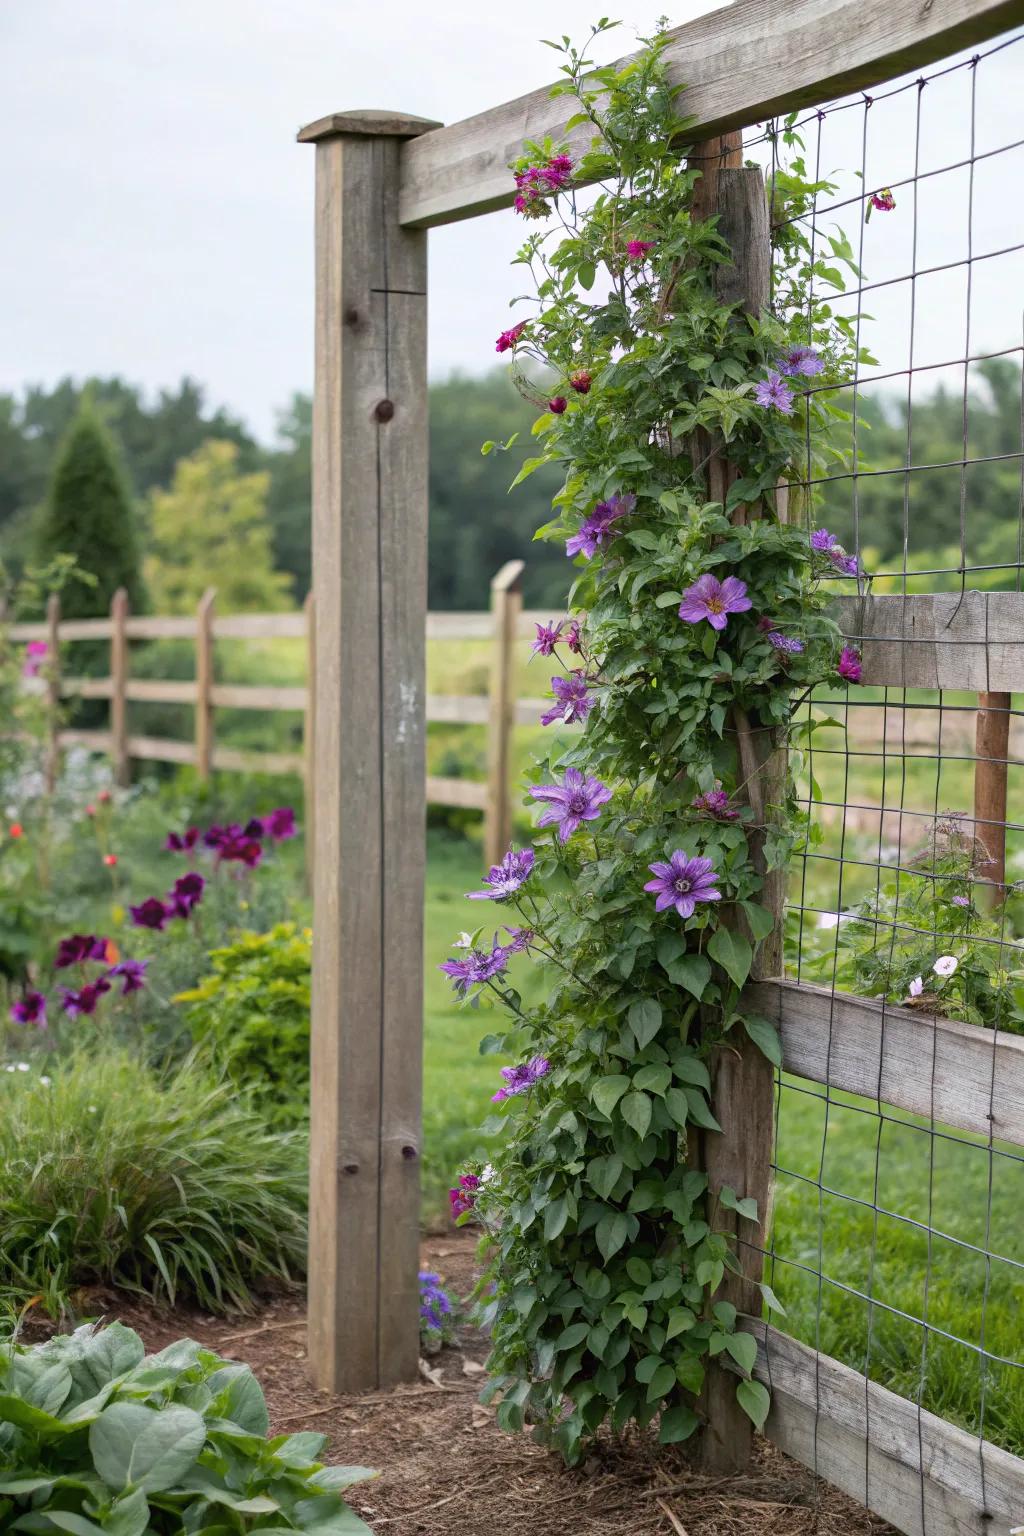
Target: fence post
(506,606)
(52,763)
(992,751)
(743,1085)
(119,608)
(309,742)
(204,684)
(369,581)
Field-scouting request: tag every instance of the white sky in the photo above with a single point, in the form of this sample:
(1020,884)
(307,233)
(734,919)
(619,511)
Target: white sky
(158,213)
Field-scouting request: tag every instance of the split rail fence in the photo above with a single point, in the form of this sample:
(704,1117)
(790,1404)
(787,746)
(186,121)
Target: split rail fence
(500,710)
(382,180)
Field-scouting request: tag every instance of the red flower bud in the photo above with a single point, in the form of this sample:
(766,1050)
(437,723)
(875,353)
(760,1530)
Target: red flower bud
(104,796)
(581,382)
(110,859)
(558,404)
(16,829)
(90,810)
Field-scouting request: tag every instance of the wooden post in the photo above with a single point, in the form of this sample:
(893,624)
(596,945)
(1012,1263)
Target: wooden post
(743,1085)
(309,742)
(369,565)
(51,770)
(992,751)
(204,684)
(119,607)
(506,606)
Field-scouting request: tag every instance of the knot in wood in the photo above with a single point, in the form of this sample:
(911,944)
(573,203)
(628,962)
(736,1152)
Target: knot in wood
(409,1153)
(384,410)
(351,1167)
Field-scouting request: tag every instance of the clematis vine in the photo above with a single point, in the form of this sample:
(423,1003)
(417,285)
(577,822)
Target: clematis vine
(849,665)
(714,600)
(573,700)
(596,530)
(682,883)
(548,636)
(576,800)
(774,393)
(522,1078)
(505,879)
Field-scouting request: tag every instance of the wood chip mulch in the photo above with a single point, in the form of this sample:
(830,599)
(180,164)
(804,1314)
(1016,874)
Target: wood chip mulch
(446,1469)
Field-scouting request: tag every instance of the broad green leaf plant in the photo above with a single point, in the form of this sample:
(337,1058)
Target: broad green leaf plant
(690,621)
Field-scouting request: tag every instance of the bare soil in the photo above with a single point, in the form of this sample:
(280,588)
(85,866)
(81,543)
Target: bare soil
(446,1469)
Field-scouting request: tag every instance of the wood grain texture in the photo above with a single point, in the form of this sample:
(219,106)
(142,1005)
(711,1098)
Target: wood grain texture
(257,696)
(260,626)
(973,641)
(458,709)
(236,760)
(369,563)
(740,65)
(506,606)
(158,690)
(469,794)
(173,628)
(309,744)
(922,1474)
(371,123)
(86,687)
(160,749)
(119,610)
(51,765)
(957,1074)
(991,773)
(204,684)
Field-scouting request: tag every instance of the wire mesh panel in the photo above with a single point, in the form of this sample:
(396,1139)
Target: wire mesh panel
(896,1244)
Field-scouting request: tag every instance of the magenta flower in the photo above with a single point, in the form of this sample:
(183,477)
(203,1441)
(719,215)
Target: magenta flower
(883,200)
(849,666)
(78,948)
(715,803)
(548,636)
(637,250)
(463,1197)
(36,652)
(788,644)
(280,824)
(574,639)
(151,913)
(558,404)
(84,1001)
(573,699)
(682,882)
(774,393)
(30,1008)
(182,842)
(581,382)
(801,360)
(539,182)
(508,339)
(186,894)
(574,801)
(505,879)
(596,530)
(132,974)
(714,600)
(237,844)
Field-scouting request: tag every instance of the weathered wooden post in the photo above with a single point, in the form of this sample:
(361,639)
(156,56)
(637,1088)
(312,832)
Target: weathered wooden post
(743,1085)
(992,752)
(309,742)
(204,684)
(119,606)
(506,606)
(369,565)
(51,771)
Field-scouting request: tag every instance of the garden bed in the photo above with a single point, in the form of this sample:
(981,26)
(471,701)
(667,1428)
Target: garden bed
(447,1470)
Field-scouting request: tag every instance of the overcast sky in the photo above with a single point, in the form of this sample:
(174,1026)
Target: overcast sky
(158,212)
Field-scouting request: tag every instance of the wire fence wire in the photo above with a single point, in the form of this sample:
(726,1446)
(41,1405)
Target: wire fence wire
(896,1242)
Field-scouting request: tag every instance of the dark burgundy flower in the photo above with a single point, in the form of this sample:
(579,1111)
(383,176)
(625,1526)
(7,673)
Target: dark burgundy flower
(254,827)
(132,974)
(581,382)
(216,836)
(30,1008)
(280,824)
(558,404)
(86,998)
(186,894)
(151,913)
(182,842)
(78,947)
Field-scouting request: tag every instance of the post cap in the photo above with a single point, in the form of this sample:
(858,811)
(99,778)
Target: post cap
(370,123)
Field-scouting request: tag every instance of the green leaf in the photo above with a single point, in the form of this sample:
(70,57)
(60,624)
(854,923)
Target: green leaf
(680,1320)
(556,1214)
(244,1403)
(700,1113)
(754,1400)
(571,1336)
(586,275)
(743,1348)
(612,1231)
(765,1036)
(668,599)
(661,1383)
(603,1174)
(677,1424)
(636,1110)
(760,919)
(690,1373)
(692,972)
(770,1297)
(645,1020)
(607,1092)
(678,1106)
(733,954)
(137,1447)
(654,1078)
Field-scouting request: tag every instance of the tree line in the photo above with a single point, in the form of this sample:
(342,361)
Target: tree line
(169,495)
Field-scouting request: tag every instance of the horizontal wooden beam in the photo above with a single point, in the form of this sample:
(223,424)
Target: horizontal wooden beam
(257,696)
(259,626)
(922,1474)
(458,709)
(957,1074)
(86,687)
(174,628)
(95,741)
(468,794)
(460,626)
(234,760)
(740,65)
(161,749)
(972,640)
(157,690)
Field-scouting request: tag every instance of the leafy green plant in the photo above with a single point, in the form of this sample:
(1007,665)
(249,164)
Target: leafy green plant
(253,1010)
(96,1436)
(171,1187)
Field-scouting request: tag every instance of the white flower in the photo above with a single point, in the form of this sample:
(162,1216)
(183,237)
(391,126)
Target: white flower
(828,919)
(487,1174)
(464,941)
(45,1081)
(945,965)
(10,1068)
(916,987)
(23,1066)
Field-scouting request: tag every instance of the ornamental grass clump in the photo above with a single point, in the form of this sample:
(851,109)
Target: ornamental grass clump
(172,1188)
(698,629)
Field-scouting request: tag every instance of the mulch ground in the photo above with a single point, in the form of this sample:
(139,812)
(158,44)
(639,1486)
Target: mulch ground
(447,1470)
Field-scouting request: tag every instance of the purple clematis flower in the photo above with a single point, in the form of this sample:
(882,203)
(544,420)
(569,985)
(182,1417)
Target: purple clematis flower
(30,1009)
(715,803)
(576,800)
(849,667)
(801,360)
(682,882)
(574,639)
(521,939)
(477,967)
(151,913)
(132,974)
(596,530)
(520,1079)
(504,879)
(789,644)
(463,1197)
(775,393)
(573,699)
(186,894)
(825,543)
(714,600)
(548,636)
(84,1001)
(960,901)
